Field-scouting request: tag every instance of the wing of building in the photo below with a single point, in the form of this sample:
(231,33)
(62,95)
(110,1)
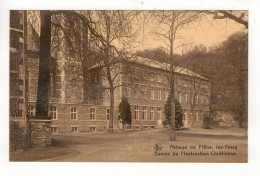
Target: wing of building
(80,103)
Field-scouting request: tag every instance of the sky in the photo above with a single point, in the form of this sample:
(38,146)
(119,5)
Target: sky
(206,31)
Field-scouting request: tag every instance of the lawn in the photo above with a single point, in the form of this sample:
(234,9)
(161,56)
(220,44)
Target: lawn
(138,146)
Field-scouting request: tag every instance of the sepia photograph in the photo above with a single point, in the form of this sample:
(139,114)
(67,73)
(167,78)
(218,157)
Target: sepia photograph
(128,86)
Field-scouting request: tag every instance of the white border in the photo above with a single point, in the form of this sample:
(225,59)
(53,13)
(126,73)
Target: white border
(40,169)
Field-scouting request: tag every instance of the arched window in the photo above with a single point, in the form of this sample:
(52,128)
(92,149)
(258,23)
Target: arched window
(73,113)
(54,113)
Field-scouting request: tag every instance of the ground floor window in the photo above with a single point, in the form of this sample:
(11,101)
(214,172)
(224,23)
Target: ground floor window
(137,127)
(108,114)
(128,127)
(145,126)
(152,126)
(74,129)
(144,115)
(54,129)
(197,116)
(92,129)
(31,110)
(151,113)
(137,112)
(158,114)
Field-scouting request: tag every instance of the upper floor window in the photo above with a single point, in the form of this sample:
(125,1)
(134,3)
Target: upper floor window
(160,94)
(92,113)
(73,113)
(179,96)
(186,97)
(31,110)
(54,113)
(152,94)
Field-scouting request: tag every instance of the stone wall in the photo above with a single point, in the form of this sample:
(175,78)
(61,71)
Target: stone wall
(39,133)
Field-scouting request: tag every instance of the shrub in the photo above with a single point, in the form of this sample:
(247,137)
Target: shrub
(178,114)
(206,121)
(124,110)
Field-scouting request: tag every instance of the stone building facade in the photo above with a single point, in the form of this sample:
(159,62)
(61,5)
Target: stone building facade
(17,80)
(142,81)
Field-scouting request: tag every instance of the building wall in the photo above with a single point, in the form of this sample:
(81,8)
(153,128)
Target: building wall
(17,81)
(151,89)
(144,86)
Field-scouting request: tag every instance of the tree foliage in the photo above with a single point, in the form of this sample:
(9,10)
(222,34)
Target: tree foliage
(206,121)
(178,114)
(124,110)
(226,66)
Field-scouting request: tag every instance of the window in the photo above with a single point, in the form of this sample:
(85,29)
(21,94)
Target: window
(152,94)
(185,115)
(136,112)
(108,114)
(156,92)
(145,126)
(74,129)
(160,94)
(137,127)
(54,113)
(190,117)
(54,129)
(152,113)
(92,113)
(186,97)
(73,113)
(144,115)
(128,127)
(180,97)
(31,110)
(158,113)
(163,95)
(92,129)
(197,116)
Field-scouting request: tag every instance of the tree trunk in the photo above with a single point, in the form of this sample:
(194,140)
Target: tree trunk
(172,130)
(44,66)
(111,120)
(85,50)
(192,116)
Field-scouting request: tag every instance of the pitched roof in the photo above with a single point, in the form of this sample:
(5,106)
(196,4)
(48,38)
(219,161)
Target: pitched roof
(164,66)
(156,64)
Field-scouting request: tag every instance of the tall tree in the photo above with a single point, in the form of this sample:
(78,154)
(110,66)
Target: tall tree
(115,27)
(235,53)
(191,61)
(76,42)
(44,65)
(169,23)
(240,17)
